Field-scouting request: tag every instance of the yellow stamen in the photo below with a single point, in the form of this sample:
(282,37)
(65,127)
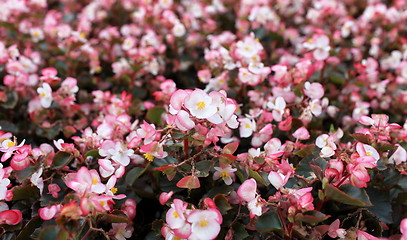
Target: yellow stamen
(113,190)
(224,175)
(94,181)
(175,213)
(42,95)
(82,35)
(36,34)
(201,105)
(11,144)
(102,203)
(247,125)
(149,157)
(203,223)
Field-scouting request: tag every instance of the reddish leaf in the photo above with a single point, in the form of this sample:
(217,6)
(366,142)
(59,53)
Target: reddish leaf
(363,138)
(231,148)
(168,170)
(190,182)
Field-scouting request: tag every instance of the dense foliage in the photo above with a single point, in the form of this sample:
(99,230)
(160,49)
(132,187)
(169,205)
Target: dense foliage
(212,119)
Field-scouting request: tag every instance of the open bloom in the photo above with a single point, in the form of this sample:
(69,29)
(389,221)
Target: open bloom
(205,224)
(277,179)
(85,181)
(45,93)
(200,104)
(278,107)
(327,144)
(320,45)
(367,150)
(226,173)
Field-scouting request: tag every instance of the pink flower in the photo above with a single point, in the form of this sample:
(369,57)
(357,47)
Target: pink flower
(85,181)
(176,219)
(399,156)
(54,189)
(367,150)
(9,147)
(277,179)
(200,104)
(164,197)
(226,173)
(205,224)
(365,236)
(320,45)
(155,149)
(47,213)
(247,191)
(11,217)
(313,90)
(403,229)
(301,133)
(334,231)
(129,208)
(121,231)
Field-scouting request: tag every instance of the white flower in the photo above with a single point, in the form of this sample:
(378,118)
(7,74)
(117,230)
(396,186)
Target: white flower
(200,104)
(247,127)
(45,93)
(227,174)
(37,180)
(120,154)
(278,108)
(178,30)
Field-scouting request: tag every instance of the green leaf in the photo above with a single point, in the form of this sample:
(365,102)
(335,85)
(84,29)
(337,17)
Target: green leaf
(348,194)
(223,189)
(25,173)
(8,126)
(25,192)
(304,168)
(337,78)
(308,150)
(384,147)
(61,159)
(29,228)
(134,174)
(268,222)
(257,177)
(203,168)
(239,232)
(154,114)
(311,217)
(94,153)
(12,99)
(381,204)
(49,233)
(222,203)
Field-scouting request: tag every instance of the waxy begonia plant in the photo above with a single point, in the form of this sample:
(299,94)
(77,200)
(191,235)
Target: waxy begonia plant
(212,119)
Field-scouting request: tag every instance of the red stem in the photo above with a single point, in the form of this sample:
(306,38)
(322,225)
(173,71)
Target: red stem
(186,150)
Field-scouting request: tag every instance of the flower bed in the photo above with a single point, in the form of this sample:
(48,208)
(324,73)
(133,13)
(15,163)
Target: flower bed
(220,119)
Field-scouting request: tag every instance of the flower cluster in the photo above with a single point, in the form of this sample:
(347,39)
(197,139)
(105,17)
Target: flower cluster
(266,119)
